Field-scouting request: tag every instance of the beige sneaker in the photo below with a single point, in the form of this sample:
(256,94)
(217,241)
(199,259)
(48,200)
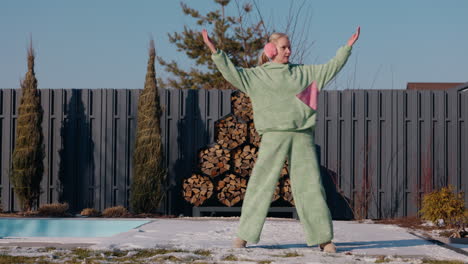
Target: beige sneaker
(239,243)
(328,247)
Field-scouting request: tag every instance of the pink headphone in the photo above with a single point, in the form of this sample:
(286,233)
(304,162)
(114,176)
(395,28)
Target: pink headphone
(270,50)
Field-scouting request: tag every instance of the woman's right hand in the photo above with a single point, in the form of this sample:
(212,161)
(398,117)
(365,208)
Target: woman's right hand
(354,37)
(208,41)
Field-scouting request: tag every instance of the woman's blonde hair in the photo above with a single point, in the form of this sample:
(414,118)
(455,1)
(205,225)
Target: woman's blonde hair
(273,39)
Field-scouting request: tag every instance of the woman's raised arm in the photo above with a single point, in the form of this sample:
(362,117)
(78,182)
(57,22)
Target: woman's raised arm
(324,73)
(238,77)
(208,41)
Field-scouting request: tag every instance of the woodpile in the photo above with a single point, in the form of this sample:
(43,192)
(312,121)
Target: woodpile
(230,132)
(229,161)
(284,170)
(286,191)
(241,106)
(254,137)
(244,159)
(231,189)
(277,193)
(214,160)
(197,189)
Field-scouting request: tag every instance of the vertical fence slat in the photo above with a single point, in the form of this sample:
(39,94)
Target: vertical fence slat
(47,120)
(131,133)
(348,164)
(7,123)
(425,177)
(3,155)
(359,182)
(398,195)
(439,139)
(452,138)
(411,149)
(373,146)
(463,132)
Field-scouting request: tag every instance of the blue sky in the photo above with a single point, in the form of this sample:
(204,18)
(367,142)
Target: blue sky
(103,44)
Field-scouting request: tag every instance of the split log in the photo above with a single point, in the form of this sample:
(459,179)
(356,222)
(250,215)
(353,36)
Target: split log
(231,189)
(241,106)
(286,191)
(277,193)
(254,137)
(197,189)
(285,170)
(214,160)
(230,132)
(244,159)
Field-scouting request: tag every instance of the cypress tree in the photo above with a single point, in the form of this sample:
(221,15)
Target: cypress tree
(149,172)
(28,155)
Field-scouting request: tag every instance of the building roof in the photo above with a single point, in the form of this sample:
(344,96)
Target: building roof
(432,86)
(462,87)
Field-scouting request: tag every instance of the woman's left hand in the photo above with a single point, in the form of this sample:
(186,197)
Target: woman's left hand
(354,37)
(208,41)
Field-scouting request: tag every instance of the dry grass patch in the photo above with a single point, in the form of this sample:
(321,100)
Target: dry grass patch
(230,258)
(170,258)
(81,253)
(146,253)
(289,255)
(292,255)
(434,261)
(90,212)
(117,254)
(201,252)
(46,249)
(116,211)
(6,259)
(53,209)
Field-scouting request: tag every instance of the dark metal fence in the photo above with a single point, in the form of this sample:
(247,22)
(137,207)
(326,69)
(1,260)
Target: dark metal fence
(89,139)
(398,144)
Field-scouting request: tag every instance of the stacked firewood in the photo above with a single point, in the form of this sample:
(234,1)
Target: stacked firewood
(241,106)
(197,189)
(225,166)
(244,160)
(214,160)
(254,137)
(286,191)
(230,132)
(231,189)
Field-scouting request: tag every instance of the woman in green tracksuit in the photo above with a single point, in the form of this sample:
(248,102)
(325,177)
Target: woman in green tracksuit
(283,98)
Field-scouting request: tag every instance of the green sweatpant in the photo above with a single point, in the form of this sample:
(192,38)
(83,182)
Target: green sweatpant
(308,192)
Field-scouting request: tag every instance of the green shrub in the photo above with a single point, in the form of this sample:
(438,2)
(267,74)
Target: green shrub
(53,209)
(91,212)
(116,211)
(443,204)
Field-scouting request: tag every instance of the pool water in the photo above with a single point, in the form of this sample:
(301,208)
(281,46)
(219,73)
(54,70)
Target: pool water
(65,227)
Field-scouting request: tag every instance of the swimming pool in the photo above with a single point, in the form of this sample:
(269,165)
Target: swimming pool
(11,227)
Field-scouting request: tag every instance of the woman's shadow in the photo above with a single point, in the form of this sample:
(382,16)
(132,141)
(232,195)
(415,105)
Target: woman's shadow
(349,246)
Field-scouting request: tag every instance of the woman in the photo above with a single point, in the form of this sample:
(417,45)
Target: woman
(283,98)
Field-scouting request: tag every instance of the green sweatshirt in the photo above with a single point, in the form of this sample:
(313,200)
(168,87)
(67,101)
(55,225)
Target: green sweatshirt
(272,88)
